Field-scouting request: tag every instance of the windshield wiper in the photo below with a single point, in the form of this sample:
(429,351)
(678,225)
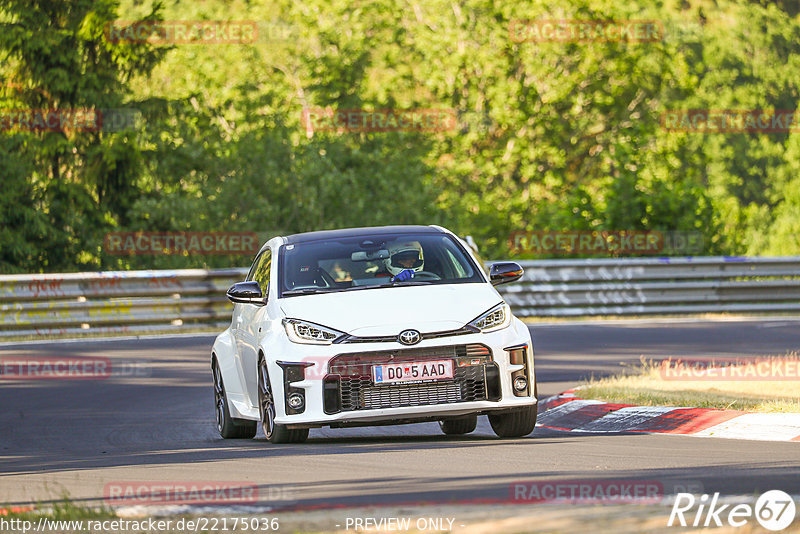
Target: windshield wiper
(312,290)
(407,283)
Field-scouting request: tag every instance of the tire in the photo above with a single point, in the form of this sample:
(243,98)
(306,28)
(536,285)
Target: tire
(227,426)
(516,423)
(275,433)
(459,426)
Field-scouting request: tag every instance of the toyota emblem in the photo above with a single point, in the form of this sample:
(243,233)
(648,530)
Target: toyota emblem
(409,337)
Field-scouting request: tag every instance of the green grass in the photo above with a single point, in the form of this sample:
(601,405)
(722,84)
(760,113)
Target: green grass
(62,510)
(646,385)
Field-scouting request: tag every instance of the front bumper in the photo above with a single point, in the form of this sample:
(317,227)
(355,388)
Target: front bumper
(337,390)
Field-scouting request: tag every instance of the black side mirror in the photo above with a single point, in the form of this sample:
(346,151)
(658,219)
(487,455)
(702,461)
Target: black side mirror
(503,273)
(246,293)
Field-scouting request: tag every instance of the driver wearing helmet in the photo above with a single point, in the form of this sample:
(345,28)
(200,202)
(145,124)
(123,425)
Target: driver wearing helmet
(404,260)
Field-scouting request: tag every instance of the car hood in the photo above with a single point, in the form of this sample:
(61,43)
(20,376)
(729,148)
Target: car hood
(387,311)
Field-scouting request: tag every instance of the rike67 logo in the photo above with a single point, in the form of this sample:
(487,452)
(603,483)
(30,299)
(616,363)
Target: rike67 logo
(774,510)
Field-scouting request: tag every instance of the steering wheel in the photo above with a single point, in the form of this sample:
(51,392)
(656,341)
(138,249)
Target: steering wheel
(326,278)
(426,275)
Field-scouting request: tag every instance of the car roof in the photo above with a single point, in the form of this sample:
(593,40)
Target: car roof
(323,235)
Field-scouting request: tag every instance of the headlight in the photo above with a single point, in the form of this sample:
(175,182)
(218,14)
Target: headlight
(310,333)
(497,318)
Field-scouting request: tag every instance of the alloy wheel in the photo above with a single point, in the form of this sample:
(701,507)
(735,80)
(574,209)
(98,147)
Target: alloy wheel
(266,401)
(219,398)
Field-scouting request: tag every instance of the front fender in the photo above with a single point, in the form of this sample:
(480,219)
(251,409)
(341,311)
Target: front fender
(224,349)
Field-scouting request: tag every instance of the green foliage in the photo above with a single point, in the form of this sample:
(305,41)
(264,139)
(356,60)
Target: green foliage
(56,57)
(550,135)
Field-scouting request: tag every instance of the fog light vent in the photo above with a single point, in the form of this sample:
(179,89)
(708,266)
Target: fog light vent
(518,356)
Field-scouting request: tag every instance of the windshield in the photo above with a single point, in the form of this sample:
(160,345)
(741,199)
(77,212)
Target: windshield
(374,261)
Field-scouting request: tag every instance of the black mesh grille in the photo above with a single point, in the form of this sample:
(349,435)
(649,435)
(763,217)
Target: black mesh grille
(358,393)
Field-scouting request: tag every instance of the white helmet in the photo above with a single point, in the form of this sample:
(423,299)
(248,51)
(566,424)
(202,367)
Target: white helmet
(404,256)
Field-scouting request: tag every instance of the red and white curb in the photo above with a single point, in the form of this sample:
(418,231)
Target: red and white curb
(573,414)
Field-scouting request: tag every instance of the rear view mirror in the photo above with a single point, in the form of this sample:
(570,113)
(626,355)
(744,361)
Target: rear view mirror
(369,255)
(246,293)
(502,273)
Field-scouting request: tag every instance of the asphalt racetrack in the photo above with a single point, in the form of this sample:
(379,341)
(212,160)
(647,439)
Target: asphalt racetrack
(73,437)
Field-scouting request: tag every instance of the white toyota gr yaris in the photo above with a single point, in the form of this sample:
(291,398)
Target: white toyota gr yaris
(372,326)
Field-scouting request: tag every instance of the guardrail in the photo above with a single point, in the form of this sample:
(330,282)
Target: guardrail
(642,286)
(115,302)
(153,301)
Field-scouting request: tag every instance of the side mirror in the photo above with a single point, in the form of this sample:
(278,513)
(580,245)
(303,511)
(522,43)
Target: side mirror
(246,293)
(503,273)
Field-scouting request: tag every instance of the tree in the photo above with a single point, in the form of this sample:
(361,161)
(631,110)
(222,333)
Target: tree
(56,57)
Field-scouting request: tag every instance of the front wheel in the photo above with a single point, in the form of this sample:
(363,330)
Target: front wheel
(459,426)
(514,423)
(227,426)
(274,432)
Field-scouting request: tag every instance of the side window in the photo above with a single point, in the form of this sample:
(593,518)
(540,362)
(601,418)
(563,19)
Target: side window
(261,269)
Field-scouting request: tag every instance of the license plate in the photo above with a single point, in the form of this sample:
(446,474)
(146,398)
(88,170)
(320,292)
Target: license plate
(412,372)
